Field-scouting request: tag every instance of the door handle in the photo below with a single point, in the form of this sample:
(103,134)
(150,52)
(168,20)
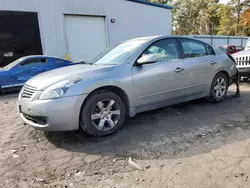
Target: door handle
(213,62)
(179,69)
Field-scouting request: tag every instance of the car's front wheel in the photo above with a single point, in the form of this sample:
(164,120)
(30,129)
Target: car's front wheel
(102,114)
(219,88)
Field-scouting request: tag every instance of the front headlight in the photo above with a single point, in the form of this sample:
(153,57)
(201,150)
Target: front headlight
(59,89)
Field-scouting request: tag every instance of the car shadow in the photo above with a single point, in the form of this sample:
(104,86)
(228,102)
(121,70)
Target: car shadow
(165,132)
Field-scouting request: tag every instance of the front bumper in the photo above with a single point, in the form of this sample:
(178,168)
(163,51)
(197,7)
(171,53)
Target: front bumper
(244,71)
(52,115)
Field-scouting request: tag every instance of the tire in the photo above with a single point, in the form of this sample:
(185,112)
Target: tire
(97,122)
(214,97)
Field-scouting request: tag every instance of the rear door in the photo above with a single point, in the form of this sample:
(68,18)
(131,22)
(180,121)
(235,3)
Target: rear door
(198,60)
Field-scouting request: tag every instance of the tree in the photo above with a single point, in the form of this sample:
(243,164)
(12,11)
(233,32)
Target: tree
(238,7)
(195,17)
(228,22)
(210,17)
(245,21)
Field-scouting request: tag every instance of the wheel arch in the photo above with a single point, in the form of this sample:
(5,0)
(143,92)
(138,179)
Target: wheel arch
(218,72)
(115,89)
(225,73)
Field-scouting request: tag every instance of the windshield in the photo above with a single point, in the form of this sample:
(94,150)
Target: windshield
(248,45)
(119,54)
(11,65)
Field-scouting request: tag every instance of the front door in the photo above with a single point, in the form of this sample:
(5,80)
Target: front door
(161,81)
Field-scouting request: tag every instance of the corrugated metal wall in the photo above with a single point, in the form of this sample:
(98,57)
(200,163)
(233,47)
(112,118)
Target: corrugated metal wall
(51,18)
(239,41)
(132,19)
(136,20)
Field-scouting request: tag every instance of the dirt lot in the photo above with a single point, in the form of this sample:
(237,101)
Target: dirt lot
(195,144)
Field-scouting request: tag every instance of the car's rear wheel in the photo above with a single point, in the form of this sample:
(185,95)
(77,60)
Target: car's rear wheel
(102,114)
(219,88)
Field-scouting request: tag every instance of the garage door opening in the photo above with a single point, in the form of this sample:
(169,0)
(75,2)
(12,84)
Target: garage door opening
(19,36)
(85,36)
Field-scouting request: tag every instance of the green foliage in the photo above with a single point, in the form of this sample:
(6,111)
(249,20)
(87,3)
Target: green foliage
(228,22)
(209,17)
(195,17)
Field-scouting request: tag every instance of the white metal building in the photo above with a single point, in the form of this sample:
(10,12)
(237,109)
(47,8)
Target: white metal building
(86,27)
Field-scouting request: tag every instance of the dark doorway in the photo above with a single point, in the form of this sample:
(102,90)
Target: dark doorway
(19,36)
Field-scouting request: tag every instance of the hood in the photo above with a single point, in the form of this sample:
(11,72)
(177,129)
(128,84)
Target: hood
(242,53)
(83,71)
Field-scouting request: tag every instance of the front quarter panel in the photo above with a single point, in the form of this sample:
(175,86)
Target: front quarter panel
(120,76)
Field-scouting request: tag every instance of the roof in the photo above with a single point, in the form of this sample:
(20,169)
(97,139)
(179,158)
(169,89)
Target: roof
(157,37)
(148,38)
(42,56)
(152,4)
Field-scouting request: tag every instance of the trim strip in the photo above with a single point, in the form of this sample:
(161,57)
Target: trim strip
(151,4)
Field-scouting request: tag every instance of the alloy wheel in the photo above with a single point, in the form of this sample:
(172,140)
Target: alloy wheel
(105,115)
(220,87)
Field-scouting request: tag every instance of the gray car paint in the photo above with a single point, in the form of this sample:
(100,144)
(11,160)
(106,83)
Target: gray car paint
(146,87)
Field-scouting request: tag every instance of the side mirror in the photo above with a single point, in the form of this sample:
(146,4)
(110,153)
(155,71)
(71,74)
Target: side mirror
(147,59)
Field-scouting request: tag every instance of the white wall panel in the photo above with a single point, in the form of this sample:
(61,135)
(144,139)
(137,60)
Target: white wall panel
(86,36)
(136,20)
(132,19)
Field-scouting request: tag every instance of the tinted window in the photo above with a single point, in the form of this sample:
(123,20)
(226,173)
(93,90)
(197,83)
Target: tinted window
(210,50)
(231,48)
(34,62)
(193,48)
(165,50)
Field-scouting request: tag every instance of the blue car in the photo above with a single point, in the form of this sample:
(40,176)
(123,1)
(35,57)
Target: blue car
(14,75)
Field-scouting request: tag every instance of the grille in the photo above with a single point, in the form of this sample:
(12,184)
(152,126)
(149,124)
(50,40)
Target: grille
(28,91)
(243,61)
(36,119)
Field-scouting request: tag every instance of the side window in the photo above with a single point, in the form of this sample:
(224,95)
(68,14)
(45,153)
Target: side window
(231,49)
(34,62)
(210,50)
(44,60)
(165,50)
(193,48)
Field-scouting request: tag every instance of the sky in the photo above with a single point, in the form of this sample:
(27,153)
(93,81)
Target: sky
(224,1)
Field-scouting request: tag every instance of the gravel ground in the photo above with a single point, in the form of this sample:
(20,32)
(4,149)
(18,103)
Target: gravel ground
(195,144)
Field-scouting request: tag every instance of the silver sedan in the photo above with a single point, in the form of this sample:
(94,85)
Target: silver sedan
(137,75)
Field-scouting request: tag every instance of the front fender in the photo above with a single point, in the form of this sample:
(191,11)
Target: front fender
(87,87)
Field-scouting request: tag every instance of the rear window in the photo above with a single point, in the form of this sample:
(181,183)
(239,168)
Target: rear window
(248,44)
(34,61)
(210,50)
(192,48)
